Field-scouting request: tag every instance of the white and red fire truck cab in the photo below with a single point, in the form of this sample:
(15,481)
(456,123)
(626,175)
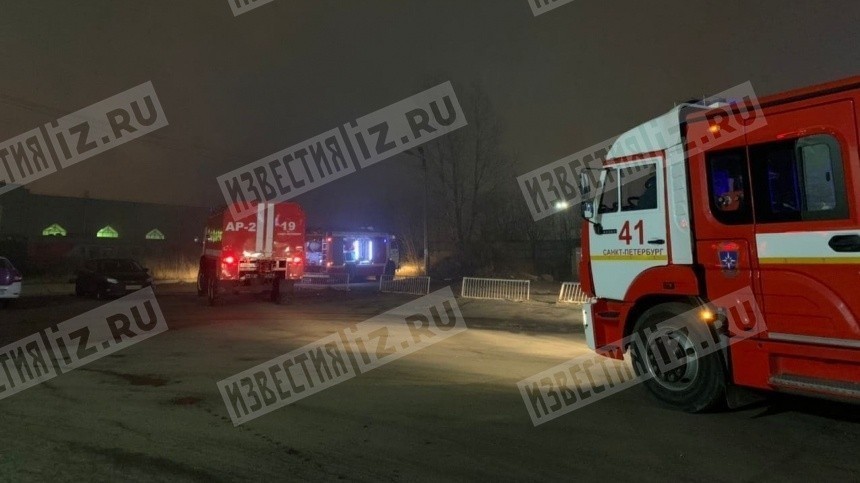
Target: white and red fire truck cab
(736,196)
(264,248)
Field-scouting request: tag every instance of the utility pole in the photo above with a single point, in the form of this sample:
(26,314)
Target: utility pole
(426,237)
(423,159)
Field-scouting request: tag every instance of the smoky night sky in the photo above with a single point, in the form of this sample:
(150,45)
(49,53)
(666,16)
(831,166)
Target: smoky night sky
(235,89)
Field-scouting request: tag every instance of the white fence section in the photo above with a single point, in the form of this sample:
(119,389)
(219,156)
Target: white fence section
(409,285)
(310,281)
(495,289)
(571,292)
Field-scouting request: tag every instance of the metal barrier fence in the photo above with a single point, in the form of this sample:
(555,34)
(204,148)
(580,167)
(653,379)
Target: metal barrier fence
(408,285)
(495,289)
(339,281)
(571,292)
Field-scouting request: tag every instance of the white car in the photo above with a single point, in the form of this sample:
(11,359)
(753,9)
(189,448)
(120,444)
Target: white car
(10,282)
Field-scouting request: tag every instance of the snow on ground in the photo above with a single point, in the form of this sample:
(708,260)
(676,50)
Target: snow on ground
(451,411)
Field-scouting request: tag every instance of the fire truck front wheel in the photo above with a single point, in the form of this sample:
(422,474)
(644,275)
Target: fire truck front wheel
(212,290)
(668,348)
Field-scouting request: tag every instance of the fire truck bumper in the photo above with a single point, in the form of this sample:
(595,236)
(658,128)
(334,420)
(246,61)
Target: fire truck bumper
(603,325)
(588,325)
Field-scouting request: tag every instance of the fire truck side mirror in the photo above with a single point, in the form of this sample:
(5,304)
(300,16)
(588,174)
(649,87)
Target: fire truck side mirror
(585,189)
(588,210)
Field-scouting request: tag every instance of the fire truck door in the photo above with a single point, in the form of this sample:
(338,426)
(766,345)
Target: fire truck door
(805,181)
(629,236)
(725,230)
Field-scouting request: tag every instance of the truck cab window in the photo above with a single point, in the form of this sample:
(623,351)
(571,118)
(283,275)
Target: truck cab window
(609,197)
(728,186)
(799,180)
(822,175)
(639,188)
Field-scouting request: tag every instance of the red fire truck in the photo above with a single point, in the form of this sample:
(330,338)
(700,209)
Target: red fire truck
(262,250)
(774,208)
(358,254)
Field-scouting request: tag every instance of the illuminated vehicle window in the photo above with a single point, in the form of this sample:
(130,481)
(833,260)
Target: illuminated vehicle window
(728,185)
(358,250)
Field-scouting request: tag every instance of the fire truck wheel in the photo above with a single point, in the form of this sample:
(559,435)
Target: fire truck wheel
(682,374)
(275,295)
(212,290)
(201,284)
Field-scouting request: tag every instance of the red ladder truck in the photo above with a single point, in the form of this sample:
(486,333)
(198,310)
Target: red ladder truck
(261,250)
(775,209)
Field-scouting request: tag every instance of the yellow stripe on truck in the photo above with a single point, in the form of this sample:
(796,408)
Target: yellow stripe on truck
(809,260)
(629,258)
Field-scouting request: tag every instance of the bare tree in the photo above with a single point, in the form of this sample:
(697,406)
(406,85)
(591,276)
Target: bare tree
(406,222)
(466,167)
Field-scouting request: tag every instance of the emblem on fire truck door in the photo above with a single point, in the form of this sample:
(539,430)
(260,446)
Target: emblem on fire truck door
(729,255)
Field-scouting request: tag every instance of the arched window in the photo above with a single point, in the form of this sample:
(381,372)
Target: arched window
(107,232)
(155,234)
(54,230)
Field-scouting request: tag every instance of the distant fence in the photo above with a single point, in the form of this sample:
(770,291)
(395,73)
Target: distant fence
(408,285)
(495,289)
(338,281)
(571,292)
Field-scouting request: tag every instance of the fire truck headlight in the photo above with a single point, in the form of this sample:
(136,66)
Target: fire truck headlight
(707,316)
(111,280)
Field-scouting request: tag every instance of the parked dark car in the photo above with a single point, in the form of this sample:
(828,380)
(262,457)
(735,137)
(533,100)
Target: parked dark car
(10,282)
(111,277)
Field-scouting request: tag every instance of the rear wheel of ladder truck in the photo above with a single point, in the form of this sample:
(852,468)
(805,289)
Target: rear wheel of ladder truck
(282,290)
(275,296)
(676,352)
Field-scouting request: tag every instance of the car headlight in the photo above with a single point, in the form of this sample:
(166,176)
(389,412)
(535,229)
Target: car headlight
(111,280)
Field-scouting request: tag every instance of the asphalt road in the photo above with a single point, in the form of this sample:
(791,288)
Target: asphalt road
(451,411)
